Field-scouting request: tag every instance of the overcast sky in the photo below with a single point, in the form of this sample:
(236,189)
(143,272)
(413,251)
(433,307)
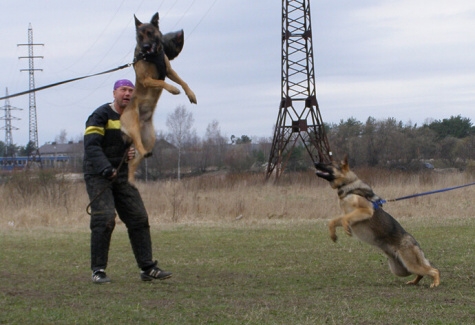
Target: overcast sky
(411,60)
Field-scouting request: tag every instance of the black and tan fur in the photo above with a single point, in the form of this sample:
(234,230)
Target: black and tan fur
(371,224)
(153,53)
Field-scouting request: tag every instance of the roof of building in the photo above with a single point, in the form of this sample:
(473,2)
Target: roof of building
(54,148)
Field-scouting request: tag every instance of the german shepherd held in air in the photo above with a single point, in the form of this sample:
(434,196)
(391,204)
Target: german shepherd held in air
(365,219)
(152,56)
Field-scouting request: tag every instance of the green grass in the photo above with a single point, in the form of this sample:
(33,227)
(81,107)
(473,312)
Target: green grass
(280,273)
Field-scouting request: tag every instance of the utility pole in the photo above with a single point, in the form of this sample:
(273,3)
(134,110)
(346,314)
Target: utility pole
(8,126)
(299,120)
(33,128)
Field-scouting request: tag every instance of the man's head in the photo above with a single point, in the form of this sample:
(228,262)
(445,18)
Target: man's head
(123,83)
(123,89)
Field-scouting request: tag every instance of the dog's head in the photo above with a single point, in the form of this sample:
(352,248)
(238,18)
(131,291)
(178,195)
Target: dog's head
(150,41)
(337,173)
(149,37)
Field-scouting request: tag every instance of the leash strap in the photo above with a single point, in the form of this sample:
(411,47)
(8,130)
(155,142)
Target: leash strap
(379,203)
(65,81)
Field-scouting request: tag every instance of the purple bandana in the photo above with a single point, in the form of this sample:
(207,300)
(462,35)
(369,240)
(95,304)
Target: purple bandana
(123,83)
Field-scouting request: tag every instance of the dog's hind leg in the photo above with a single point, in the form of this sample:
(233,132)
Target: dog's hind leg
(130,125)
(416,280)
(414,260)
(396,267)
(133,165)
(148,137)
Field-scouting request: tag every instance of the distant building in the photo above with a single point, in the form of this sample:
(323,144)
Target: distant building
(69,157)
(62,155)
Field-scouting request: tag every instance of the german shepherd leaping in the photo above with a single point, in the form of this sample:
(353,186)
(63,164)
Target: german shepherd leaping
(153,53)
(373,225)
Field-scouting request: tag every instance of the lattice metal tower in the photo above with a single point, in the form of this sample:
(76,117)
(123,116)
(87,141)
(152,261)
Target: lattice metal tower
(8,125)
(299,120)
(33,127)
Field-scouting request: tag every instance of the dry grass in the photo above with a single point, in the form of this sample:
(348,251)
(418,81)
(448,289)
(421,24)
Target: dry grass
(31,201)
(242,252)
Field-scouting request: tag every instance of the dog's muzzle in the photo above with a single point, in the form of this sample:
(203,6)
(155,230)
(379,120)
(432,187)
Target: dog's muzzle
(149,48)
(324,172)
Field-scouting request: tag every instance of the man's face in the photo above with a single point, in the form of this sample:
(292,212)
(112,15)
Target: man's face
(122,96)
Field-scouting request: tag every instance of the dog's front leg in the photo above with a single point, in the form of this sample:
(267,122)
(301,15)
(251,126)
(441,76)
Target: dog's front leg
(332,227)
(176,78)
(354,217)
(156,83)
(346,226)
(191,95)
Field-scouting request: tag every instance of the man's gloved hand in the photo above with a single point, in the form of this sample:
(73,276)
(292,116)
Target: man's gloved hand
(109,172)
(131,154)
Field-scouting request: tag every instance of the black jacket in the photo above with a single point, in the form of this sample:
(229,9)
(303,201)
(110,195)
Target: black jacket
(104,146)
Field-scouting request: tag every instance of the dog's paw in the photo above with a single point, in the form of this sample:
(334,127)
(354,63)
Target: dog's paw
(173,90)
(346,228)
(434,284)
(334,237)
(192,97)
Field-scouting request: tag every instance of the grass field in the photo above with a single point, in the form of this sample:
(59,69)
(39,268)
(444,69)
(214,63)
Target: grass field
(267,267)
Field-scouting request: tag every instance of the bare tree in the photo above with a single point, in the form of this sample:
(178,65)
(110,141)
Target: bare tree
(62,137)
(214,146)
(179,124)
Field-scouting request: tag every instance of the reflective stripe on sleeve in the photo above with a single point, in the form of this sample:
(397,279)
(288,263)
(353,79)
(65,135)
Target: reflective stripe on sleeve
(94,130)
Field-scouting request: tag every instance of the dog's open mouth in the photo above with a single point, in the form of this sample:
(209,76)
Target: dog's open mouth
(323,171)
(150,48)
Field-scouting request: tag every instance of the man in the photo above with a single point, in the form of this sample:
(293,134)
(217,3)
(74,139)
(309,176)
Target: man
(105,174)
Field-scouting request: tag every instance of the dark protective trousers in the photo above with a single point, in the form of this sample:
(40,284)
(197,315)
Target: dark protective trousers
(120,196)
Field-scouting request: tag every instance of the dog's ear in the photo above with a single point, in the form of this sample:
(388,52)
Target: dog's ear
(344,164)
(137,22)
(154,20)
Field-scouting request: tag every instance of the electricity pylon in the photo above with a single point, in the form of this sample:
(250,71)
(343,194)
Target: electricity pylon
(8,125)
(33,126)
(299,120)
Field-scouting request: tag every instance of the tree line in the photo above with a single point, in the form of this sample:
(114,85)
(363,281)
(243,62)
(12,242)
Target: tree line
(388,143)
(446,143)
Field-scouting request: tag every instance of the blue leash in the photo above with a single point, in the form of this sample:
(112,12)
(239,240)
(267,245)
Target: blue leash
(379,203)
